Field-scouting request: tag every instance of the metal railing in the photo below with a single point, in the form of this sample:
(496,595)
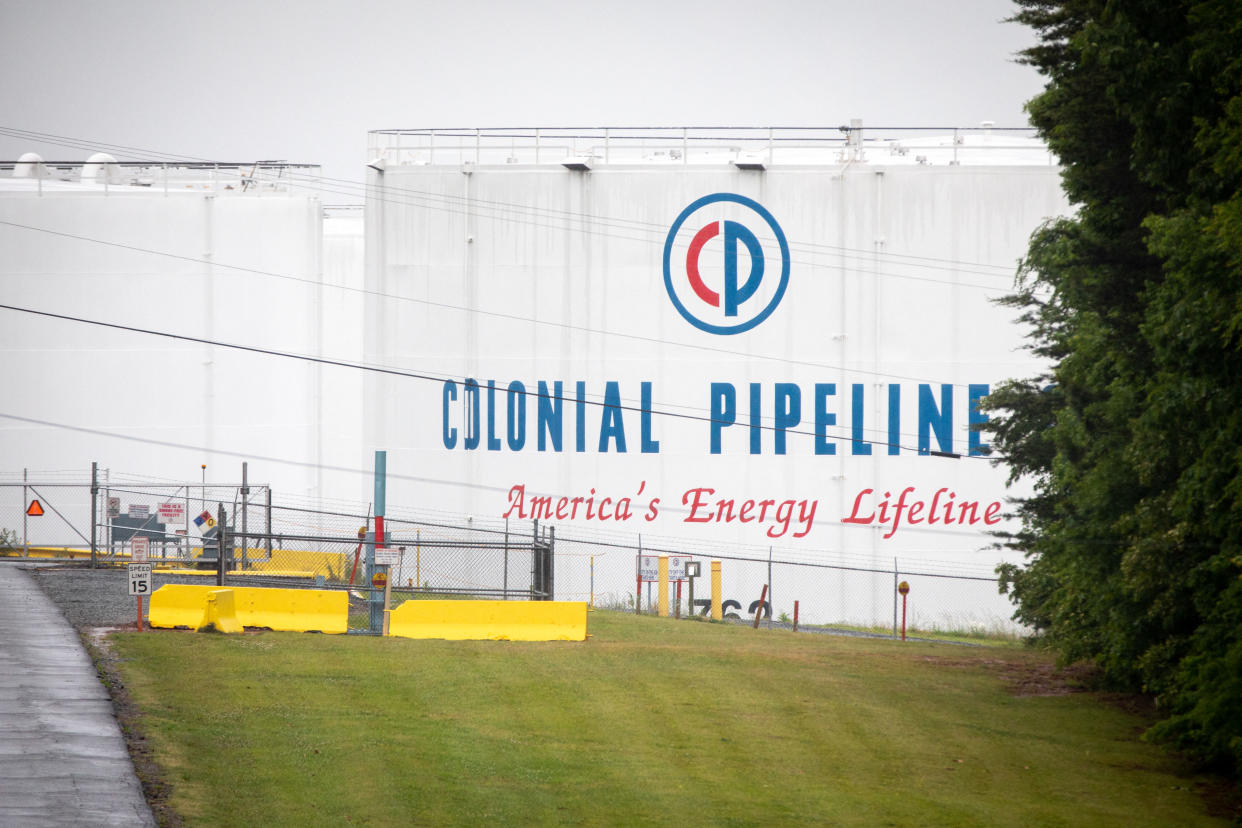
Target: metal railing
(708,145)
(241,178)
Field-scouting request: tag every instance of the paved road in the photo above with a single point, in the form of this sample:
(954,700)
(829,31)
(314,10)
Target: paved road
(62,757)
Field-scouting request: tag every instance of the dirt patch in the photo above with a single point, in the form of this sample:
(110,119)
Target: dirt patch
(1032,678)
(1043,679)
(155,787)
(1223,799)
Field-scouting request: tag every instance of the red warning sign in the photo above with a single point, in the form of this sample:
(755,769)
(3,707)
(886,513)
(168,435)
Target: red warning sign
(35,509)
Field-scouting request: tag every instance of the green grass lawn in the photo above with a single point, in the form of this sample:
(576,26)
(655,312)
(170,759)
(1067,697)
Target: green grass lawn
(651,721)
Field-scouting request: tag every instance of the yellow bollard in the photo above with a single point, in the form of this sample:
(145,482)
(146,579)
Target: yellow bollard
(662,594)
(717,614)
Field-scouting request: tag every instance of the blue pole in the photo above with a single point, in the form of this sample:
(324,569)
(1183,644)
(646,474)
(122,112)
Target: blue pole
(381,471)
(377,595)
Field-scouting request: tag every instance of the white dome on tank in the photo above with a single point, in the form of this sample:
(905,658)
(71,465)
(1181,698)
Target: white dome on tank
(30,165)
(101,162)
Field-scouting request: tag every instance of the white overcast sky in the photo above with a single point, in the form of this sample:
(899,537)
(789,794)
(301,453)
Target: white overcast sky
(303,81)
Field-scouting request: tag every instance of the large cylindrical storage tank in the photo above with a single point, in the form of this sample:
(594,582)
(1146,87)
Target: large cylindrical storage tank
(212,256)
(753,340)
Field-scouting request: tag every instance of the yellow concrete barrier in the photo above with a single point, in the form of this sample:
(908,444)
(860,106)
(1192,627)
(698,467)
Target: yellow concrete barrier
(220,613)
(332,565)
(491,620)
(44,552)
(179,605)
(296,610)
(236,573)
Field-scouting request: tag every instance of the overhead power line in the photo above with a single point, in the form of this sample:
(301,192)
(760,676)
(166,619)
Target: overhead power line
(476,311)
(440,379)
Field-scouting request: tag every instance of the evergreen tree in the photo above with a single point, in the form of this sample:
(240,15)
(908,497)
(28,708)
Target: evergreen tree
(1133,438)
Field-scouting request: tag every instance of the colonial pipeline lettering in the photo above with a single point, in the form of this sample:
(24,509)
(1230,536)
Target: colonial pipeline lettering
(757,418)
(481,405)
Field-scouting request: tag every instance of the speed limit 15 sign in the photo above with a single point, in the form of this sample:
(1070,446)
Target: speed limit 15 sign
(140,579)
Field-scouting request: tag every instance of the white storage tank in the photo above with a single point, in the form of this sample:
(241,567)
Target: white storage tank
(223,253)
(781,335)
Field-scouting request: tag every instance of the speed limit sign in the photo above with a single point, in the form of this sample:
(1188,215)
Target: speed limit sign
(140,579)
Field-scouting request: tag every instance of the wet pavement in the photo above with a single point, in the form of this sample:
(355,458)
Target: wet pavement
(63,760)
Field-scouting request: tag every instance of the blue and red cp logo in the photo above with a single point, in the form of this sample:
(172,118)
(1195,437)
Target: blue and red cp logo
(729,248)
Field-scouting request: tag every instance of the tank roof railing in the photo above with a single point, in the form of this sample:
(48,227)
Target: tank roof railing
(255,177)
(983,144)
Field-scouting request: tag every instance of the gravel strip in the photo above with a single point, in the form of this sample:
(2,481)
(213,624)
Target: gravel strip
(100,597)
(92,597)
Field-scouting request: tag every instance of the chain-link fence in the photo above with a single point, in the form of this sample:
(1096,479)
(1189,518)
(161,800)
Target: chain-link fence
(184,527)
(77,515)
(617,574)
(280,543)
(50,511)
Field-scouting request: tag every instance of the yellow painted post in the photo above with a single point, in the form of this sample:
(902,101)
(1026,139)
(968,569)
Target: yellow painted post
(662,593)
(717,613)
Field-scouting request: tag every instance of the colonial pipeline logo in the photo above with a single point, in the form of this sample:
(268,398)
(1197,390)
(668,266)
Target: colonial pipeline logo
(726,263)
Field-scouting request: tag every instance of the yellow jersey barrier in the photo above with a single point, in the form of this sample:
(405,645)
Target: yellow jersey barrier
(491,620)
(296,610)
(44,552)
(220,613)
(236,573)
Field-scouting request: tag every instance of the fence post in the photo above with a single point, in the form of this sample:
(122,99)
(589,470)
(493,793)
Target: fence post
(269,522)
(25,517)
(638,577)
(536,576)
(551,553)
(94,508)
(771,600)
(107,498)
(894,597)
(186,553)
(245,493)
(221,538)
